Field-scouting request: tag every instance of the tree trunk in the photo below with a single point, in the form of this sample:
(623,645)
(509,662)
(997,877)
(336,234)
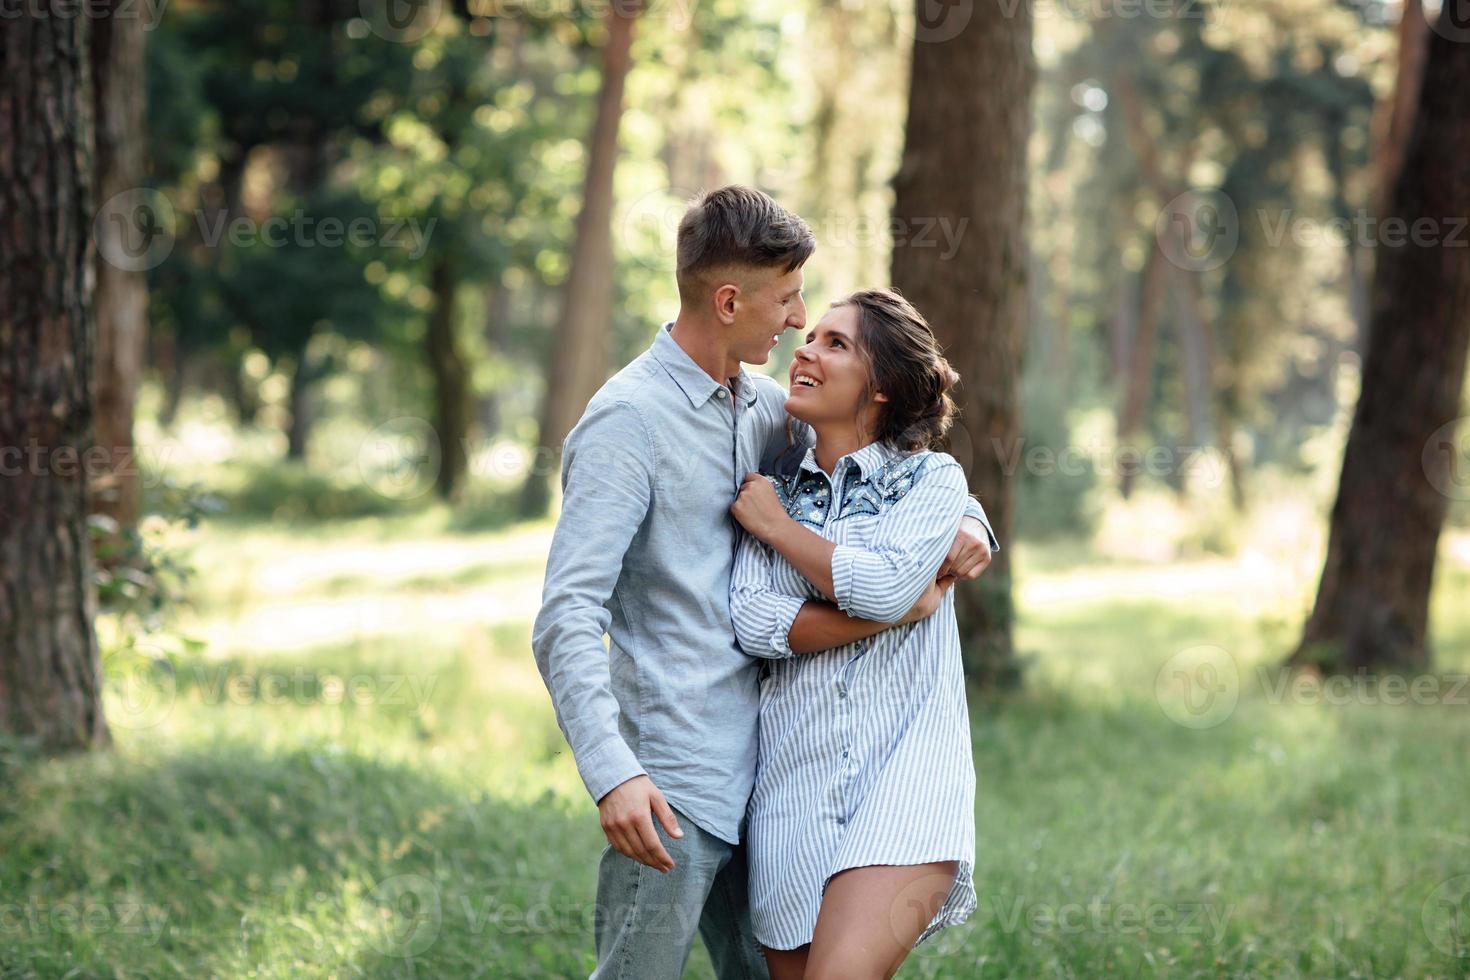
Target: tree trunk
(579,350)
(298,431)
(1140,368)
(121,298)
(1401,462)
(1394,118)
(964,162)
(497,339)
(451,395)
(50,675)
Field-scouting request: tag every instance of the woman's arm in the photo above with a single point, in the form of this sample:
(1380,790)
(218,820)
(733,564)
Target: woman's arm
(882,581)
(772,624)
(762,616)
(761,513)
(822,626)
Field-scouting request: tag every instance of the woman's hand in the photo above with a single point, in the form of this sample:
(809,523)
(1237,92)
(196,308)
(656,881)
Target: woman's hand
(928,603)
(759,510)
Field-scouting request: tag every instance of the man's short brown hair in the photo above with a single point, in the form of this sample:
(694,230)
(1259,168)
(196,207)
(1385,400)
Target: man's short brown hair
(738,226)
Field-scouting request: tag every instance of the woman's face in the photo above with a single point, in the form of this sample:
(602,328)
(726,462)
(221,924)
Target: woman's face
(829,377)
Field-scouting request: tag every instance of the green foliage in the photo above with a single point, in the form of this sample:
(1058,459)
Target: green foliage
(142,579)
(476,132)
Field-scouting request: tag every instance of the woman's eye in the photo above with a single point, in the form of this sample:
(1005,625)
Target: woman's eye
(838,343)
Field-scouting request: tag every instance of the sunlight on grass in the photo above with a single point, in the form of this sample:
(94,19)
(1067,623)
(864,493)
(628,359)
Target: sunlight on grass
(359,773)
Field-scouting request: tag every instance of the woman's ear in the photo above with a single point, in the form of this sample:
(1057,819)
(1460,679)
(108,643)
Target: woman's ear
(878,396)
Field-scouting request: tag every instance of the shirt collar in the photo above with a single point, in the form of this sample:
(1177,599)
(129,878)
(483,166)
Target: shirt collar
(868,459)
(692,379)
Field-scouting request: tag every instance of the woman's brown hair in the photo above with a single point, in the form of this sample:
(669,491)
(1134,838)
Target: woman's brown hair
(906,364)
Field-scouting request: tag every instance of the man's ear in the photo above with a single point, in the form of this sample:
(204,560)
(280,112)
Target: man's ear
(724,301)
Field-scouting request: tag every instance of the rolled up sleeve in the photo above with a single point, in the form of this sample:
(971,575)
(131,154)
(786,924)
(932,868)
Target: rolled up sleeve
(973,509)
(762,616)
(608,473)
(882,581)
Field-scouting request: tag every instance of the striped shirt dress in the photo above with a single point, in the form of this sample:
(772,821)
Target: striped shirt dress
(864,754)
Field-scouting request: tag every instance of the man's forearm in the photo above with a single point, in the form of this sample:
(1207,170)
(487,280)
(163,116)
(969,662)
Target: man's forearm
(822,626)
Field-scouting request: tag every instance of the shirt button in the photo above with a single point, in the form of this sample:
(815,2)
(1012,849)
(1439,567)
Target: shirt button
(720,393)
(841,821)
(842,693)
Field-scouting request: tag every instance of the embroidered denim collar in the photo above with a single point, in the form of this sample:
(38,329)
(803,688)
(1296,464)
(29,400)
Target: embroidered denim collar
(869,459)
(692,379)
(877,475)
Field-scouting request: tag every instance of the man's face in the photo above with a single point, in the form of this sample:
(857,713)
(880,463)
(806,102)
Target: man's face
(769,303)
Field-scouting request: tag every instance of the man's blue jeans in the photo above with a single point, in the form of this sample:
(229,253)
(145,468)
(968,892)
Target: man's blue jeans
(646,920)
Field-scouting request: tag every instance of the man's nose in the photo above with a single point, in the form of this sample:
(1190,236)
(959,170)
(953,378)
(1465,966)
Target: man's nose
(797,320)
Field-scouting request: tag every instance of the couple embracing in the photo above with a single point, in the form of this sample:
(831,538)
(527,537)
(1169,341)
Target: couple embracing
(776,735)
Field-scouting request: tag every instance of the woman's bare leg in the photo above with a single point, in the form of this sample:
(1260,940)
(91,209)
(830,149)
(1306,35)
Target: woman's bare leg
(871,917)
(787,964)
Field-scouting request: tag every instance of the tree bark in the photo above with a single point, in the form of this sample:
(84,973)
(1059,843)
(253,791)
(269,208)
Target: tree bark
(1401,461)
(121,298)
(298,431)
(964,162)
(1140,366)
(451,391)
(50,675)
(1395,114)
(497,313)
(579,350)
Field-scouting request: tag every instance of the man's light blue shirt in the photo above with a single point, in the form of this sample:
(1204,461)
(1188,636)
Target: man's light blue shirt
(643,552)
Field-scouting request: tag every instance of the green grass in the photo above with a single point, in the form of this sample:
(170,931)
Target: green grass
(359,774)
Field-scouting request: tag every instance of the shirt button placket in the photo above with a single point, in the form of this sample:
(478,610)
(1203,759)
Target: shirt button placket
(843,775)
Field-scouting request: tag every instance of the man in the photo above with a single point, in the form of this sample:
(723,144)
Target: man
(663,722)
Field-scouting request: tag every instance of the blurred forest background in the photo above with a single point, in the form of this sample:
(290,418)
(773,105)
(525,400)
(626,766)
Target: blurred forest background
(343,274)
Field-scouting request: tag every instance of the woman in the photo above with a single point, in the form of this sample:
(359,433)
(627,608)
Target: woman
(861,826)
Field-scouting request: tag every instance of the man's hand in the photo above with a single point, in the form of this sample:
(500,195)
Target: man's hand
(625,813)
(928,603)
(970,553)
